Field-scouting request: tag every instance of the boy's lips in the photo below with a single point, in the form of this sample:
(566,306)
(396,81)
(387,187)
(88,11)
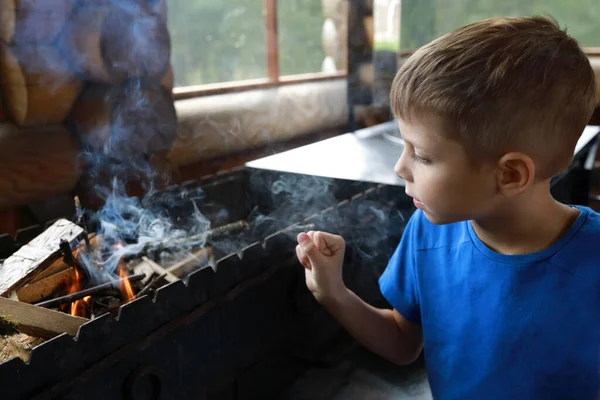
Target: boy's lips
(416,202)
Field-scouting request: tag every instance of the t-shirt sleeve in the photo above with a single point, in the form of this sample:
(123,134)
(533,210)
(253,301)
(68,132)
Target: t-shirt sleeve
(398,283)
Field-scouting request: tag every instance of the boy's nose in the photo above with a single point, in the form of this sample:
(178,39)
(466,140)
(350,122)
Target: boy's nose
(401,170)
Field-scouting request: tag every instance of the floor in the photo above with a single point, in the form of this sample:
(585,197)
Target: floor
(361,375)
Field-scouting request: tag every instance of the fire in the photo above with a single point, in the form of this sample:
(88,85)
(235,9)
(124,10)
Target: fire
(126,288)
(78,307)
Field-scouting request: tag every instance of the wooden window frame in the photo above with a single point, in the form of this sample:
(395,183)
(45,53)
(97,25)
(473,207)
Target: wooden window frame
(273,79)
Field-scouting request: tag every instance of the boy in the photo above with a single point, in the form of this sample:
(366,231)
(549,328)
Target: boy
(493,278)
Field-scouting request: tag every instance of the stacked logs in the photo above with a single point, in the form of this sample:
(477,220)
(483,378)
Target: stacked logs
(80,76)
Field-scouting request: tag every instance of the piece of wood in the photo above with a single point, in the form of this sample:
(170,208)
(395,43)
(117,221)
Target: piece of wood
(36,163)
(36,255)
(199,258)
(7,20)
(39,21)
(54,268)
(130,120)
(38,321)
(38,86)
(60,264)
(148,267)
(43,288)
(114,42)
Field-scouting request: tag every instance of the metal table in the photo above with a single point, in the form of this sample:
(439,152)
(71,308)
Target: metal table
(365,155)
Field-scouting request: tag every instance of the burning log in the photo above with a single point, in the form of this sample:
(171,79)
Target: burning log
(114,42)
(145,110)
(37,84)
(30,172)
(36,255)
(37,321)
(69,298)
(44,288)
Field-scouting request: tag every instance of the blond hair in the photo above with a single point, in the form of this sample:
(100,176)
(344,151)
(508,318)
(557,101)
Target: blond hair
(500,85)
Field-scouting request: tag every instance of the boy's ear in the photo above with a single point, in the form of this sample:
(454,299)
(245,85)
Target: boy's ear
(516,172)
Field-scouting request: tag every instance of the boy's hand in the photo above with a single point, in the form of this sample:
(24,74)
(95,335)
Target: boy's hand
(322,255)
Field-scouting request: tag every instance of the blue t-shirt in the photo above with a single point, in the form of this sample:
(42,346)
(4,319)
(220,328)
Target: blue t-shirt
(501,326)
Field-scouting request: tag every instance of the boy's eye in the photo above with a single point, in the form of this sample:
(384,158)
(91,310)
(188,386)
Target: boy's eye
(419,159)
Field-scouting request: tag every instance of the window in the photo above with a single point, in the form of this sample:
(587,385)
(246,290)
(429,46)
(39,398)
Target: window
(424,20)
(300,23)
(257,41)
(216,41)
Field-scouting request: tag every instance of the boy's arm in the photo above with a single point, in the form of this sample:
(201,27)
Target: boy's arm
(382,331)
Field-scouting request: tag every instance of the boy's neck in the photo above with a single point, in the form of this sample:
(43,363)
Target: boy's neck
(531,223)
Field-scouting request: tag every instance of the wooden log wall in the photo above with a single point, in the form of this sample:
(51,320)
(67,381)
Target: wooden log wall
(79,76)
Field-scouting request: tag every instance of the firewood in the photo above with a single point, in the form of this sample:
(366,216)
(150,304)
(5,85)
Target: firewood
(56,267)
(36,255)
(30,172)
(37,84)
(114,42)
(43,288)
(38,321)
(149,267)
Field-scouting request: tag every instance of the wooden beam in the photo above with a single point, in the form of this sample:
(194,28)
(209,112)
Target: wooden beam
(188,92)
(272,40)
(38,321)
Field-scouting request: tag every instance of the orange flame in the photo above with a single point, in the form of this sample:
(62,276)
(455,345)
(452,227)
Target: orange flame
(78,307)
(126,288)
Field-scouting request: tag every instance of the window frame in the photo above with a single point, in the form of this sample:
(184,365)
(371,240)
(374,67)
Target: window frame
(273,79)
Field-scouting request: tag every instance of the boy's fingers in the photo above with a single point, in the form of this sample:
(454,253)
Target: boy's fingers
(328,244)
(302,257)
(306,243)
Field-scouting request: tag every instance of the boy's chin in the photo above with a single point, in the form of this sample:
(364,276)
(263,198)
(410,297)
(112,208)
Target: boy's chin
(438,219)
